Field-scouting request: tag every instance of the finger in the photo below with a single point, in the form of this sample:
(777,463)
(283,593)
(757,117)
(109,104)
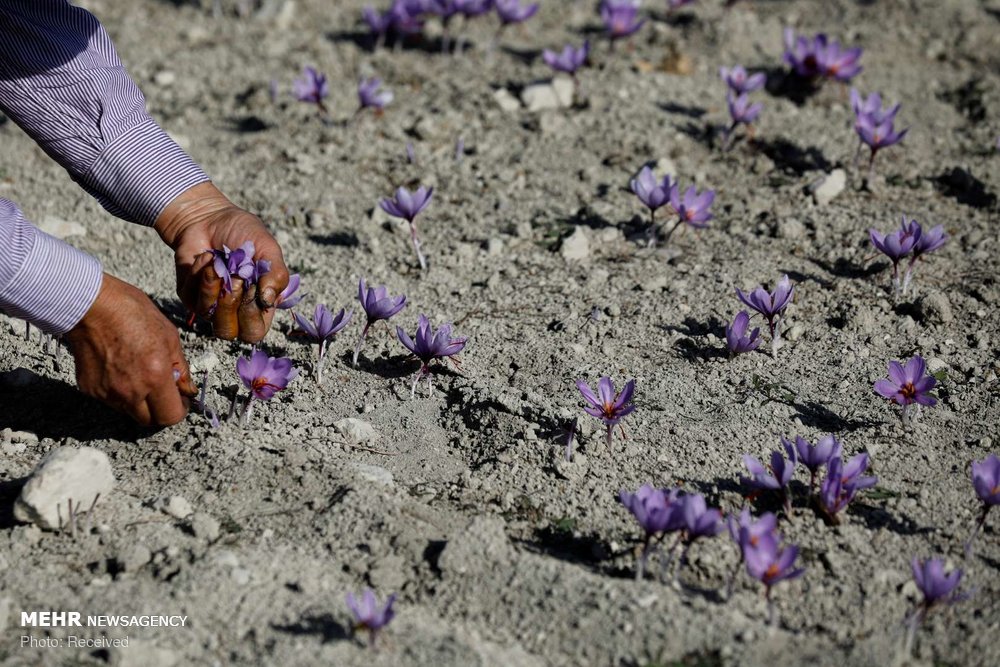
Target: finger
(209,286)
(225,320)
(251,321)
(182,378)
(165,405)
(189,279)
(274,281)
(139,411)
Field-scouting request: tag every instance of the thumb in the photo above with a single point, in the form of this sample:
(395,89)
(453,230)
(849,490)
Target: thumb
(273,282)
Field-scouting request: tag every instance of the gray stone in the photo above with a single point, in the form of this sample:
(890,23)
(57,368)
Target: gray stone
(356,430)
(205,526)
(176,506)
(791,228)
(133,557)
(373,474)
(576,246)
(505,100)
(831,185)
(60,228)
(935,308)
(66,474)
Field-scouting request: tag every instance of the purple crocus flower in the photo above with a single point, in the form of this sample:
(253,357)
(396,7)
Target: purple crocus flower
(907,385)
(737,339)
(369,615)
(820,57)
(801,55)
(234,263)
(264,376)
(311,88)
(653,194)
(740,82)
(658,511)
(746,532)
(692,209)
(512,11)
(321,330)
(606,405)
(407,205)
(621,18)
(773,478)
(871,106)
(378,23)
(406,16)
(290,297)
(928,242)
(428,345)
(474,8)
(369,95)
(569,60)
(896,245)
(877,134)
(378,305)
(814,457)
(986,483)
(770,563)
(699,519)
(741,112)
(936,587)
(842,483)
(771,306)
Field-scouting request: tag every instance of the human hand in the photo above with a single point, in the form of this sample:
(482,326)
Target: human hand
(127,355)
(201,219)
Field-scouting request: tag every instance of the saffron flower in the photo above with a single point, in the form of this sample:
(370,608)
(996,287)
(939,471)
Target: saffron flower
(653,194)
(842,483)
(737,339)
(986,483)
(770,563)
(692,208)
(264,376)
(699,519)
(871,106)
(236,263)
(937,588)
(877,134)
(407,205)
(378,305)
(428,345)
(290,297)
(897,245)
(747,533)
(776,477)
(606,405)
(321,330)
(369,615)
(656,511)
(311,88)
(378,23)
(814,457)
(569,60)
(820,57)
(512,11)
(908,385)
(740,82)
(621,18)
(741,112)
(771,306)
(370,95)
(929,241)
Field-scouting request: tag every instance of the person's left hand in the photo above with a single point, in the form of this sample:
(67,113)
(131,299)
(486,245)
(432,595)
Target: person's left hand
(201,219)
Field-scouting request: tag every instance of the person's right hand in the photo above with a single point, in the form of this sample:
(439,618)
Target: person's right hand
(126,356)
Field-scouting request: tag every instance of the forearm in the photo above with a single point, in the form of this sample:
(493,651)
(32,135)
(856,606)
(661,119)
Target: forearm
(63,83)
(42,279)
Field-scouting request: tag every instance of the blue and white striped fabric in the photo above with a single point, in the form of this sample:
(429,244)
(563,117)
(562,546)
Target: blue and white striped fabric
(61,81)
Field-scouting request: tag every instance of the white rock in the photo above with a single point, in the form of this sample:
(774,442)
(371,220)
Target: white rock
(576,246)
(829,187)
(505,100)
(542,96)
(564,89)
(356,430)
(165,78)
(60,228)
(176,506)
(206,362)
(373,474)
(65,474)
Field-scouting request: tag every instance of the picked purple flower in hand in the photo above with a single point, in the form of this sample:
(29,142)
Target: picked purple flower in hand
(606,405)
(321,330)
(238,263)
(908,385)
(290,297)
(370,95)
(737,339)
(407,205)
(740,82)
(428,345)
(369,615)
(771,306)
(378,305)
(312,88)
(264,376)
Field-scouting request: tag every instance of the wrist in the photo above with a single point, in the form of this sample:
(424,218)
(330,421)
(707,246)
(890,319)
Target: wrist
(194,205)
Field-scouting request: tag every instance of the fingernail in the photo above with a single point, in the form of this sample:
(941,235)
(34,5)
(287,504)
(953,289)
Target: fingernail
(267,297)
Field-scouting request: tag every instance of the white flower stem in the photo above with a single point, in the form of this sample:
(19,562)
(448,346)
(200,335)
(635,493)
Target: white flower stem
(417,247)
(361,342)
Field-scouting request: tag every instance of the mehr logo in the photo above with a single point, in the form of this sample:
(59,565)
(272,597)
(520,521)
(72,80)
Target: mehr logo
(50,619)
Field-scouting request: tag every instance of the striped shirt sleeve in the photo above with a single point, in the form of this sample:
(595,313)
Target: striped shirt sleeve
(42,279)
(62,82)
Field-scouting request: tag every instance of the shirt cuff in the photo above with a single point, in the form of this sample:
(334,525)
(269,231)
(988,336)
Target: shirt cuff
(56,286)
(142,171)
